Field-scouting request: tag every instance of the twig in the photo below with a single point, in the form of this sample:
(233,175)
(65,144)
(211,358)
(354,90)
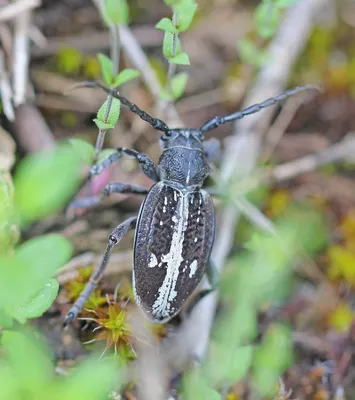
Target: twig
(21,56)
(278,128)
(14,9)
(241,154)
(5,90)
(340,151)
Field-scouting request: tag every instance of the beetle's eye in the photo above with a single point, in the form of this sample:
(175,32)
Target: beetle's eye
(167,135)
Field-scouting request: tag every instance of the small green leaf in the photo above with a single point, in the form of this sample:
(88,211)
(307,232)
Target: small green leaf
(116,11)
(113,116)
(271,359)
(186,11)
(125,76)
(166,25)
(114,112)
(196,387)
(178,84)
(168,48)
(250,54)
(106,68)
(38,304)
(181,59)
(84,149)
(285,3)
(267,18)
(103,125)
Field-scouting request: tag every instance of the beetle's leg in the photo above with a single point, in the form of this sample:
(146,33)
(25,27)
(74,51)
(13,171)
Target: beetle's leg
(90,201)
(146,165)
(114,238)
(217,121)
(212,149)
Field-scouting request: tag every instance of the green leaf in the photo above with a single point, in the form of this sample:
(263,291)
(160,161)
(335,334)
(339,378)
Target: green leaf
(113,116)
(114,112)
(186,10)
(125,76)
(181,59)
(91,381)
(38,304)
(196,387)
(285,3)
(29,359)
(267,18)
(5,319)
(103,125)
(168,48)
(29,270)
(84,149)
(250,54)
(116,11)
(166,25)
(106,67)
(227,363)
(45,182)
(178,84)
(271,359)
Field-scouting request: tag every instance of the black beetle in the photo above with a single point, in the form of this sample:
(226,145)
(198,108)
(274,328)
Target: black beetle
(175,226)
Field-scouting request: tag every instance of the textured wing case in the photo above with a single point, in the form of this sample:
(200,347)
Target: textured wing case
(173,242)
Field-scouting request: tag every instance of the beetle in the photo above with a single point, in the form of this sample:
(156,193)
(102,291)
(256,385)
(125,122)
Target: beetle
(174,230)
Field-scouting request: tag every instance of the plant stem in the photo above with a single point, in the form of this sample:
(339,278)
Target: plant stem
(172,66)
(115,57)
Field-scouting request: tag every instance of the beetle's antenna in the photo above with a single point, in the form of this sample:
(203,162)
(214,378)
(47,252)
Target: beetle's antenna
(217,121)
(156,123)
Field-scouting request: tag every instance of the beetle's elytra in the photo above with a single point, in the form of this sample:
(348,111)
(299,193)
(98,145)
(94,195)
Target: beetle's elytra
(172,246)
(175,227)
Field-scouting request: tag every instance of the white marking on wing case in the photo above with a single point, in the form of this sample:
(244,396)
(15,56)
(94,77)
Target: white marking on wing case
(173,259)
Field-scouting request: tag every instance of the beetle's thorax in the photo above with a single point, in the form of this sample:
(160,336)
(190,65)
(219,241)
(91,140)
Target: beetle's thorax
(183,159)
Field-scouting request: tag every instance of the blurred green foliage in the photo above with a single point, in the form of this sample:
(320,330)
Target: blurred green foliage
(27,372)
(261,275)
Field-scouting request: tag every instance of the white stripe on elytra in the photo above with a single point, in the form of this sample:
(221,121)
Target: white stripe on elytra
(173,259)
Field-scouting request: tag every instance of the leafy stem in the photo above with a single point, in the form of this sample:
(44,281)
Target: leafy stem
(115,57)
(172,65)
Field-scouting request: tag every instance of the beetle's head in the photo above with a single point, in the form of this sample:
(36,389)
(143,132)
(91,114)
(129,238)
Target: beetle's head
(183,137)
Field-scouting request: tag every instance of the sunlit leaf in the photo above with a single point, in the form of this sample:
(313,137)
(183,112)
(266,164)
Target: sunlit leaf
(178,84)
(38,304)
(125,76)
(106,68)
(45,182)
(166,25)
(181,59)
(29,358)
(116,11)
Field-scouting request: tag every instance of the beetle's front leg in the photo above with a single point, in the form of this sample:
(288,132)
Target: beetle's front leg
(146,165)
(114,238)
(90,201)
